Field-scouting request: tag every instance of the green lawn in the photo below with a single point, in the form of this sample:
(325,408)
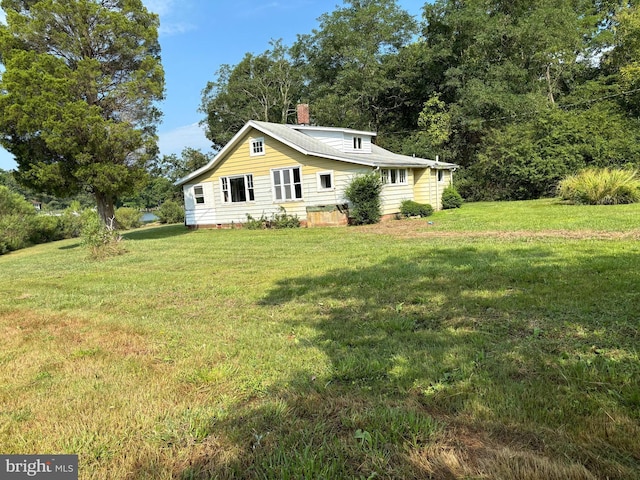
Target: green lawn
(410,350)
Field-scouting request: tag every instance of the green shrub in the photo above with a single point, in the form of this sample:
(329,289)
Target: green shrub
(277,221)
(364,195)
(46,228)
(256,223)
(170,212)
(601,187)
(451,198)
(17,221)
(15,231)
(128,218)
(283,220)
(71,220)
(409,208)
(102,241)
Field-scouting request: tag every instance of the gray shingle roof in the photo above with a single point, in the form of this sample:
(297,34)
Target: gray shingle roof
(379,157)
(289,135)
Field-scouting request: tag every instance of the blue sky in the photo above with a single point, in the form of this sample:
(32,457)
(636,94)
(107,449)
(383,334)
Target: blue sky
(197,36)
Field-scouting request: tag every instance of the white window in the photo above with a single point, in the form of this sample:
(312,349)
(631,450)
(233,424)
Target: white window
(440,175)
(287,184)
(394,176)
(256,146)
(237,189)
(325,181)
(198,194)
(357,143)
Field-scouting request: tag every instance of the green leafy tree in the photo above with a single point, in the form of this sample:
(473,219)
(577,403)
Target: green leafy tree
(527,160)
(261,87)
(174,167)
(494,62)
(78,95)
(348,62)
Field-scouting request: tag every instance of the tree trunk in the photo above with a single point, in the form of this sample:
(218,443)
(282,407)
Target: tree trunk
(106,209)
(549,85)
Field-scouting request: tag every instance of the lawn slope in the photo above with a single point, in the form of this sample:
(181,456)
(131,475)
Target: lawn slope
(491,343)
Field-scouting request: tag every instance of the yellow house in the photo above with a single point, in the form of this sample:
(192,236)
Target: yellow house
(305,170)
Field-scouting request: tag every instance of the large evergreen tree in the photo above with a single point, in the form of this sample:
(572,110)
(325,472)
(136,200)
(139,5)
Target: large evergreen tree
(78,95)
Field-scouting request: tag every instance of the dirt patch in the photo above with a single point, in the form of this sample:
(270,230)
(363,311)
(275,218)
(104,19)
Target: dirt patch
(420,229)
(462,452)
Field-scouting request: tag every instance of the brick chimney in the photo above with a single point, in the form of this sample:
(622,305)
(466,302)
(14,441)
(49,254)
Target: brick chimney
(303,114)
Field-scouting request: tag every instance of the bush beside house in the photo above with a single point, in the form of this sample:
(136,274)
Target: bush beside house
(364,195)
(451,198)
(409,208)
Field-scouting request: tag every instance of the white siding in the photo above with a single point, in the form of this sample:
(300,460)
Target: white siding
(199,213)
(263,204)
(341,180)
(347,145)
(394,194)
(333,139)
(200,217)
(340,140)
(189,201)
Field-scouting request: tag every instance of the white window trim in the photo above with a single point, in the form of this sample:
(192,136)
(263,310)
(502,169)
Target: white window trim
(398,170)
(319,183)
(252,144)
(246,178)
(292,183)
(357,143)
(440,175)
(196,196)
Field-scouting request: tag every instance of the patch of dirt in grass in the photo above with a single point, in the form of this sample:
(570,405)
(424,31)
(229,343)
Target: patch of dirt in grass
(419,229)
(72,333)
(463,453)
(28,322)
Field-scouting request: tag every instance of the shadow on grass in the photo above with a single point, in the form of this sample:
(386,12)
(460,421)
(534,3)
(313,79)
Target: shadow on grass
(71,247)
(155,233)
(448,364)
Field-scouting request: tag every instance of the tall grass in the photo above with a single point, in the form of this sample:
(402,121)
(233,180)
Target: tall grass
(601,187)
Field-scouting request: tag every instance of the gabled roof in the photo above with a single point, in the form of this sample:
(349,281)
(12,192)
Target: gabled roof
(292,136)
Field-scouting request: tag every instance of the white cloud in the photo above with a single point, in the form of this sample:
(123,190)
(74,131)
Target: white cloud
(167,10)
(176,140)
(161,7)
(169,29)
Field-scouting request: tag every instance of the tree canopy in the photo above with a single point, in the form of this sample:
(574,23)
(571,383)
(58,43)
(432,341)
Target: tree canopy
(78,95)
(519,93)
(261,87)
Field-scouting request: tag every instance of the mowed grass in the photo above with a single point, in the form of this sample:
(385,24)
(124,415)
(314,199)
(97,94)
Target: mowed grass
(334,353)
(538,215)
